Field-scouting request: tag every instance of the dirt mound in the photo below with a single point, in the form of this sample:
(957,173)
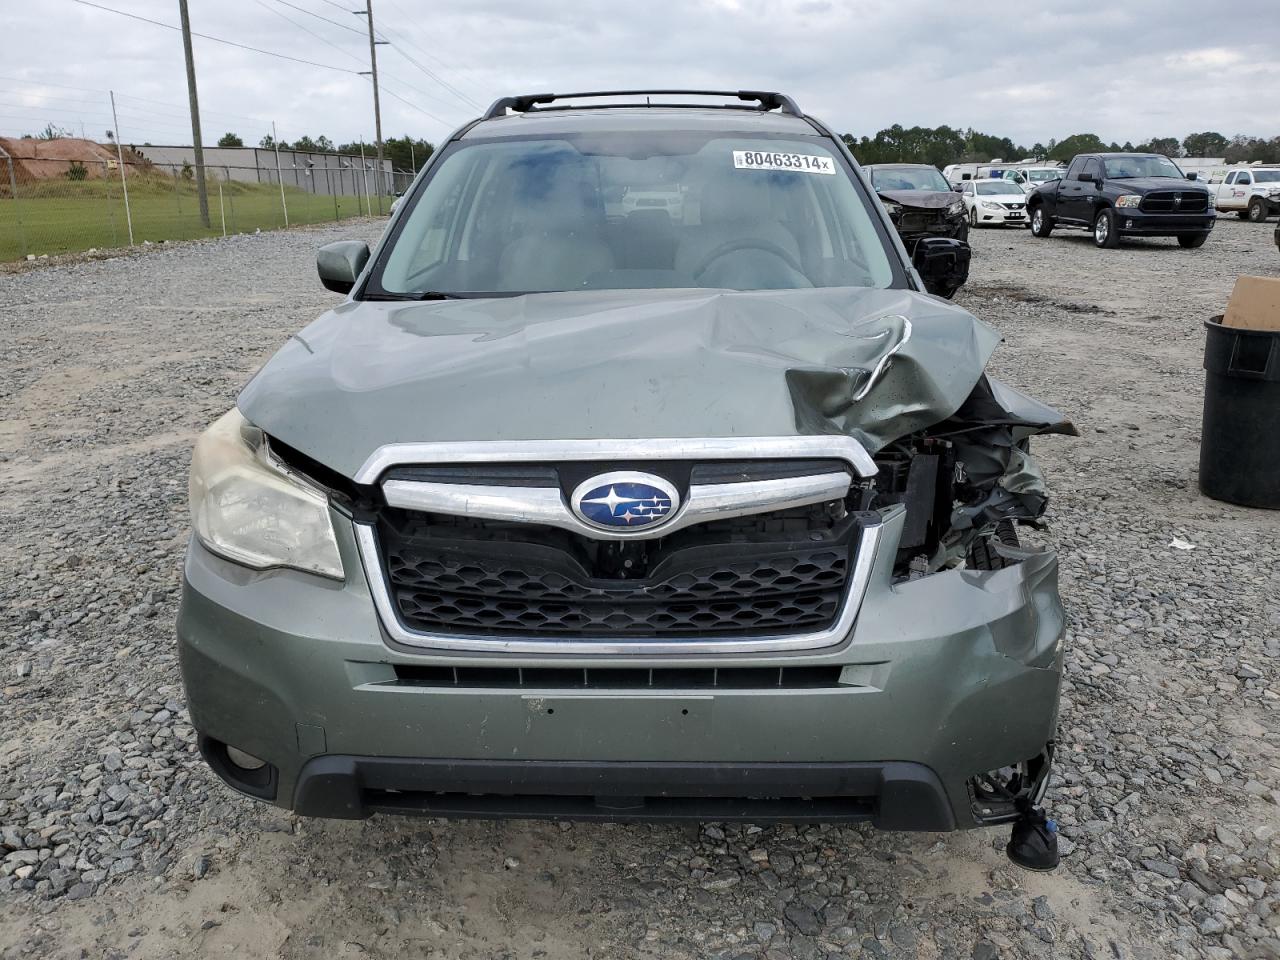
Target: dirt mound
(35,159)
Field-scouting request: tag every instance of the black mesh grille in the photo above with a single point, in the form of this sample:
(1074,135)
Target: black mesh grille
(540,584)
(1175,201)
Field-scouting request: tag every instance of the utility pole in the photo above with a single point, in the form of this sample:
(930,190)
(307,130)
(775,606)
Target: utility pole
(275,143)
(124,184)
(377,107)
(201,189)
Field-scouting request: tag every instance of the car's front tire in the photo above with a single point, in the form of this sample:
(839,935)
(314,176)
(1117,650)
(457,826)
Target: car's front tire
(1041,222)
(1257,211)
(973,217)
(1192,241)
(1105,233)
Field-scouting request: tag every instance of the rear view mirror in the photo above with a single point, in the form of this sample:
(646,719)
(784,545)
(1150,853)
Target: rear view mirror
(340,263)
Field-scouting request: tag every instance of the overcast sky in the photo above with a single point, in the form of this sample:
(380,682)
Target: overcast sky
(1124,70)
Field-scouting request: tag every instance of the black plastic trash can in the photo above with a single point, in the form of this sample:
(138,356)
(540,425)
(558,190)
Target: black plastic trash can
(1240,436)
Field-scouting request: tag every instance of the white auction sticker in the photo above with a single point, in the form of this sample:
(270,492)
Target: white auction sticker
(799,162)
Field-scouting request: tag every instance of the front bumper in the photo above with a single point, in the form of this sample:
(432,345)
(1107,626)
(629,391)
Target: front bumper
(1002,216)
(942,678)
(1132,222)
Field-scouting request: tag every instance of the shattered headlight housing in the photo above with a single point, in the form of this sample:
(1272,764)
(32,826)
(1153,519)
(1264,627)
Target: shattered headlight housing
(956,208)
(249,508)
(1128,200)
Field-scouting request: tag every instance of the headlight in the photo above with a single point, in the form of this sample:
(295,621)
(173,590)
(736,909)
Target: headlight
(250,508)
(1128,200)
(893,208)
(956,208)
(990,205)
(1213,202)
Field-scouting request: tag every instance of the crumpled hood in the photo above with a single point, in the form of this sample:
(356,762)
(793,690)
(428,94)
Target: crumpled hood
(617,365)
(921,199)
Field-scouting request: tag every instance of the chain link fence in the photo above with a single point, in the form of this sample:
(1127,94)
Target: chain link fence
(67,205)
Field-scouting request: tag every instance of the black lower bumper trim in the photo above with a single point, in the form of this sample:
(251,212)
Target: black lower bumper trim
(891,795)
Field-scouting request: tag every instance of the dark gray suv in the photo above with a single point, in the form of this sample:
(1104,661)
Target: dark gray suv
(635,476)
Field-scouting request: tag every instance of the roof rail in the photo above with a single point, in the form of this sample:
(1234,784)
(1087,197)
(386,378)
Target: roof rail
(527,102)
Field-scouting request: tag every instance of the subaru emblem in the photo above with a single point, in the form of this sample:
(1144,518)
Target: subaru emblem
(625,500)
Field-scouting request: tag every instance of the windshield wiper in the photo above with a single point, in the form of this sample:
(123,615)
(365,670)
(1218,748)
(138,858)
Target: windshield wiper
(413,295)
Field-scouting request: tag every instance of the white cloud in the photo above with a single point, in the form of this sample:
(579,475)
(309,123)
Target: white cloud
(1149,67)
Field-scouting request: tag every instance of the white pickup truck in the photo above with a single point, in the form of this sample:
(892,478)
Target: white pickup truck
(1252,192)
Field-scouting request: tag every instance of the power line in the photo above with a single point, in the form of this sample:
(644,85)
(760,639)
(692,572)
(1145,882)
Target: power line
(205,36)
(385,34)
(27,82)
(427,53)
(338,6)
(384,76)
(310,13)
(414,106)
(93,103)
(287,19)
(457,93)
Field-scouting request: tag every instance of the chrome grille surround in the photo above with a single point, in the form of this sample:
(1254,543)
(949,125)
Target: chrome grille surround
(830,447)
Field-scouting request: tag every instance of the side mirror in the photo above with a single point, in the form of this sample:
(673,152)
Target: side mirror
(941,261)
(340,263)
(1193,175)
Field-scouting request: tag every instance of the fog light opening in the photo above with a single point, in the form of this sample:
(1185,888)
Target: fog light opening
(244,761)
(240,769)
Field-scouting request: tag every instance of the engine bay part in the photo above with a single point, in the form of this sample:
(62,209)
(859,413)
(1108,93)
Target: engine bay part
(966,482)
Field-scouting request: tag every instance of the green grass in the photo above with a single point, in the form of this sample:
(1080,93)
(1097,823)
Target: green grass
(64,216)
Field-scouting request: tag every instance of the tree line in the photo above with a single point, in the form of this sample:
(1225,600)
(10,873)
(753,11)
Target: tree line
(940,146)
(405,153)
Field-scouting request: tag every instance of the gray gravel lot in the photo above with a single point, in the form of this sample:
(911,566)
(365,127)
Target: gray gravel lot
(115,841)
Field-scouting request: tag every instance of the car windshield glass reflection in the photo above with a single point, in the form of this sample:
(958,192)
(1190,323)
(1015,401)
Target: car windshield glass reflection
(636,211)
(908,178)
(1133,168)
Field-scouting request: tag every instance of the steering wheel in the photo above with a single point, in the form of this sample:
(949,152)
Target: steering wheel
(733,246)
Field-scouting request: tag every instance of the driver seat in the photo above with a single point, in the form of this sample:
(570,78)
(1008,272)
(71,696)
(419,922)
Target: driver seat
(735,207)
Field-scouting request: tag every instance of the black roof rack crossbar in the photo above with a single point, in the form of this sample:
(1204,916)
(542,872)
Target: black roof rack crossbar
(527,102)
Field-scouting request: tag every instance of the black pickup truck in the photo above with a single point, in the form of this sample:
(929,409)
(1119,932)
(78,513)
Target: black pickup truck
(1119,195)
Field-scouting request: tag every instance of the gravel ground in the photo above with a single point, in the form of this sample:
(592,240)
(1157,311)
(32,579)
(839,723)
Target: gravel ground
(115,841)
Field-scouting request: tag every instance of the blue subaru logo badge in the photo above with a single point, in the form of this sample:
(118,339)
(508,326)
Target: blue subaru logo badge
(625,501)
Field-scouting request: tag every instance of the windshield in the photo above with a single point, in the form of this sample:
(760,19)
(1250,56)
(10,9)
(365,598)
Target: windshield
(908,178)
(1266,176)
(634,211)
(1003,187)
(1131,168)
(1043,176)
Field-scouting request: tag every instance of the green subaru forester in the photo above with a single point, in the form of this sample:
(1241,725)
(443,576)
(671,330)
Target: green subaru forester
(635,477)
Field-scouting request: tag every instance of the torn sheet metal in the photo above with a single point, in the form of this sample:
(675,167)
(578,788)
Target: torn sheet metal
(997,478)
